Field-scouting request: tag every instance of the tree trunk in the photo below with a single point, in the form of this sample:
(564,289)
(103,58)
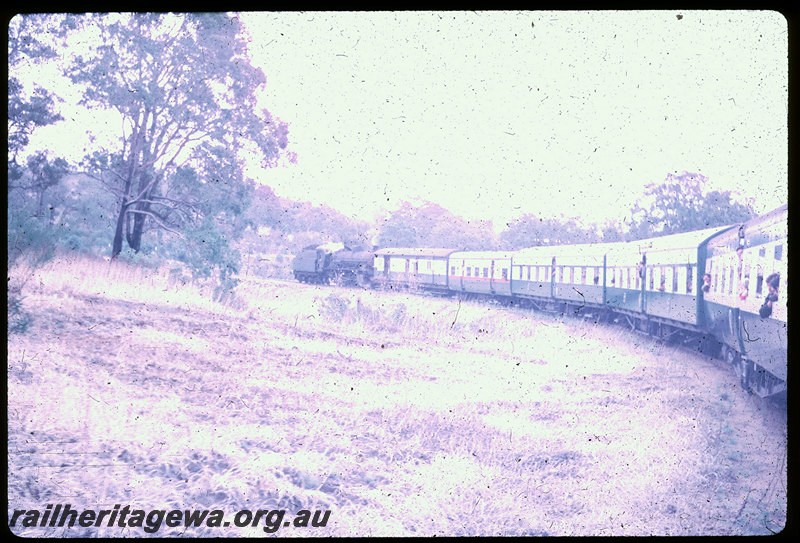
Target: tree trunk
(116,247)
(138,227)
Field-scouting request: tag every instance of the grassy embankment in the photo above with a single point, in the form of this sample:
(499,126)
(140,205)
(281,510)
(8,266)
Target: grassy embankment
(402,414)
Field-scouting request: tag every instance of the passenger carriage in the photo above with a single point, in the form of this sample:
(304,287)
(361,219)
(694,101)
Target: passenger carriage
(573,273)
(481,272)
(578,273)
(532,273)
(739,262)
(673,277)
(623,277)
(412,267)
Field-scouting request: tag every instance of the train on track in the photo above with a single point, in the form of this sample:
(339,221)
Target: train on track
(724,289)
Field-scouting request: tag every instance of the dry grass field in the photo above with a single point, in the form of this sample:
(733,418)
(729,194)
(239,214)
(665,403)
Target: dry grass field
(402,414)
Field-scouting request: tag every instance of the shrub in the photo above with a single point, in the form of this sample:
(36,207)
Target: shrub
(18,319)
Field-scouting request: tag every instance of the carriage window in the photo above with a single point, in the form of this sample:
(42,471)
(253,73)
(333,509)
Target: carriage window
(778,252)
(651,274)
(469,271)
(722,278)
(529,273)
(674,279)
(571,274)
(759,281)
(689,282)
(486,272)
(452,270)
(505,273)
(730,283)
(407,265)
(583,275)
(561,274)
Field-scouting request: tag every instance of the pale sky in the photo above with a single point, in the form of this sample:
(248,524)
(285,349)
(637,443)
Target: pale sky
(497,114)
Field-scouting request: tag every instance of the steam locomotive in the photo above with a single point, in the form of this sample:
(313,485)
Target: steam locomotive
(720,287)
(333,263)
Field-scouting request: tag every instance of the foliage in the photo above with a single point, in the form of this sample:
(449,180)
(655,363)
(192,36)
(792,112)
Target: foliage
(31,243)
(531,231)
(681,204)
(39,175)
(186,94)
(29,109)
(611,231)
(29,229)
(276,224)
(431,225)
(266,209)
(86,215)
(27,233)
(18,319)
(25,114)
(205,248)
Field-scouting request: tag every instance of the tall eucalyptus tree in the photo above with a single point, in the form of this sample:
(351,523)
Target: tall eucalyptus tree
(185,90)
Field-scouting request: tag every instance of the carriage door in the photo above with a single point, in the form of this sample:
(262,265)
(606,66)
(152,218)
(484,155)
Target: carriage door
(646,277)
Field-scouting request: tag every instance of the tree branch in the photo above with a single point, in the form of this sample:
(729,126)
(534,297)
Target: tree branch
(157,219)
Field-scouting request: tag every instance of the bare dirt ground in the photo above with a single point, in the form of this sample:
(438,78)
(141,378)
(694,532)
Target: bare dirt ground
(401,414)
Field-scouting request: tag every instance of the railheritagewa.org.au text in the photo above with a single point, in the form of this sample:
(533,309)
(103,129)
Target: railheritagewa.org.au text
(63,515)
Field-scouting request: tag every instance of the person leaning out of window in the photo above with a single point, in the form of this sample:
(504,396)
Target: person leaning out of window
(773,284)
